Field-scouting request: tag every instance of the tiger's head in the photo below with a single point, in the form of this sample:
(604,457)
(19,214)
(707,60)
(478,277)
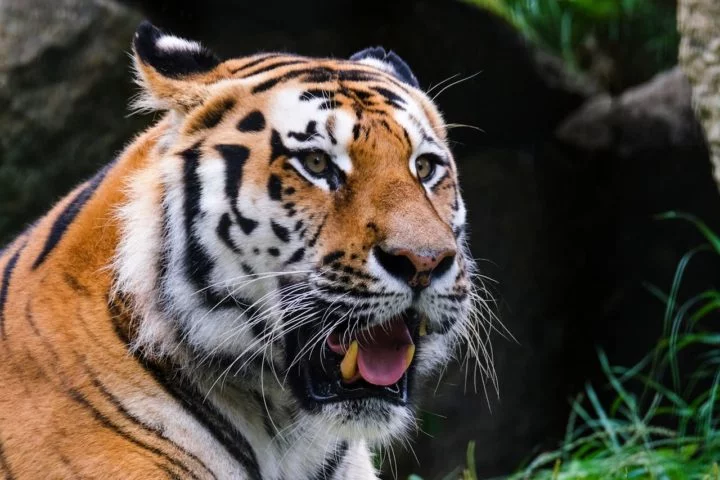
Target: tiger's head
(309,227)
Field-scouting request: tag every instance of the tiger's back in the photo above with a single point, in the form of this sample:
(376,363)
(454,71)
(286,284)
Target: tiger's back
(63,363)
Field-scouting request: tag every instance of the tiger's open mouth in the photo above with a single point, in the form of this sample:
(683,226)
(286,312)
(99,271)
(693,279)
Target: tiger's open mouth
(375,362)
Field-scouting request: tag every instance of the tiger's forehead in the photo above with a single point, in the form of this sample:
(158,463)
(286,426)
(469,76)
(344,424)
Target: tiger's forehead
(301,89)
(338,117)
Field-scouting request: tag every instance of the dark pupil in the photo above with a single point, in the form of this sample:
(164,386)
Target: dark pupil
(316,162)
(423,167)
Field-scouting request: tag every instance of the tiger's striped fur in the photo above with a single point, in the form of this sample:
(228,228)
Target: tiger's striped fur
(146,321)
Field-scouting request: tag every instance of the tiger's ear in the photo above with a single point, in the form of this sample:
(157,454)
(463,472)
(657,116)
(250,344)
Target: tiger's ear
(389,62)
(173,73)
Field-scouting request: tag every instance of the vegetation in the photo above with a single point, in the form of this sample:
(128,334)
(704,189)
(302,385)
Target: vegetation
(661,424)
(619,42)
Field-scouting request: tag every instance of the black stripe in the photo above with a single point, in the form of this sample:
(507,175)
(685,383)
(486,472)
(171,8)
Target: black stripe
(235,157)
(332,256)
(273,66)
(331,464)
(73,470)
(212,115)
(277,147)
(78,397)
(215,423)
(67,216)
(406,135)
(297,255)
(252,122)
(5,286)
(446,324)
(170,474)
(5,464)
(196,259)
(198,265)
(266,407)
(390,97)
(247,225)
(155,432)
(314,75)
(266,56)
(280,232)
(313,93)
(75,285)
(315,237)
(275,187)
(440,182)
(329,105)
(309,133)
(353,75)
(223,231)
(30,318)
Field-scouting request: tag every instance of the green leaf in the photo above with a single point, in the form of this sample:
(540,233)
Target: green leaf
(699,224)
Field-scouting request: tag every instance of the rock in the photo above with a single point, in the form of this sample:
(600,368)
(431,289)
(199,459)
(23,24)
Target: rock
(64,86)
(657,114)
(699,24)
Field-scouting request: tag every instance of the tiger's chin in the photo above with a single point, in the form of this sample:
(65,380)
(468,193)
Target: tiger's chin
(372,419)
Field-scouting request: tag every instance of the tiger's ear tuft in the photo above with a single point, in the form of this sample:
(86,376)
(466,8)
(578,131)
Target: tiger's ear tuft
(174,73)
(389,62)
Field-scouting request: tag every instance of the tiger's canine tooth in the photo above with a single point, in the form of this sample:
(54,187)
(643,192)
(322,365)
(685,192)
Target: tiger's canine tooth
(348,366)
(409,355)
(423,327)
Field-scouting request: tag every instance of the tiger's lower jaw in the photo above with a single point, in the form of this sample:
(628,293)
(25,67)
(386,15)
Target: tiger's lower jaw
(357,404)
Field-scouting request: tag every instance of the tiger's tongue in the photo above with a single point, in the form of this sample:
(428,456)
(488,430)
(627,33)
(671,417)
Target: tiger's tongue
(384,353)
(383,365)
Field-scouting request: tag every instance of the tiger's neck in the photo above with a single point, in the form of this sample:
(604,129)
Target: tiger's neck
(253,419)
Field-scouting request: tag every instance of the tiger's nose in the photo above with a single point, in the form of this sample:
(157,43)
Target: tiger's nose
(416,269)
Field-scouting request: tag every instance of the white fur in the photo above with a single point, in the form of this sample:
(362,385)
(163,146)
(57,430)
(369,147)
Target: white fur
(379,64)
(171,43)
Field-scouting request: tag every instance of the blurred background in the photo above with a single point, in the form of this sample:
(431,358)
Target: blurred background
(580,132)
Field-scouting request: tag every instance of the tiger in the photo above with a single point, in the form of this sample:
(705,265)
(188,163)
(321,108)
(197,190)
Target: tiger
(256,287)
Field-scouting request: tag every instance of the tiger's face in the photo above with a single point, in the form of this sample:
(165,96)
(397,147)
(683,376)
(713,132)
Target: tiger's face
(312,229)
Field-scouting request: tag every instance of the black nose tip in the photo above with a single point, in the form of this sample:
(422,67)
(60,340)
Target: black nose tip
(417,270)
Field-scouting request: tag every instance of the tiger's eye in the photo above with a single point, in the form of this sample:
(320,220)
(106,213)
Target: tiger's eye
(317,162)
(424,167)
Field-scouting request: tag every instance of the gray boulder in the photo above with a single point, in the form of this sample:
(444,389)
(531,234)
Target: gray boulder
(64,87)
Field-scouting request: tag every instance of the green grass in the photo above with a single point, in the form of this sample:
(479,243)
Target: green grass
(660,425)
(633,38)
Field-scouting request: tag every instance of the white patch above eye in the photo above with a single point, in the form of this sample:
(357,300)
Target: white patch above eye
(344,123)
(410,116)
(288,113)
(379,64)
(171,43)
(343,162)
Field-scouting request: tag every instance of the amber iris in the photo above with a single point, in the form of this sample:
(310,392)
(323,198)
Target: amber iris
(316,162)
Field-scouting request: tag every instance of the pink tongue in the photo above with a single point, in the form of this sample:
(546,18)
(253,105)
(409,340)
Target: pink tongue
(382,357)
